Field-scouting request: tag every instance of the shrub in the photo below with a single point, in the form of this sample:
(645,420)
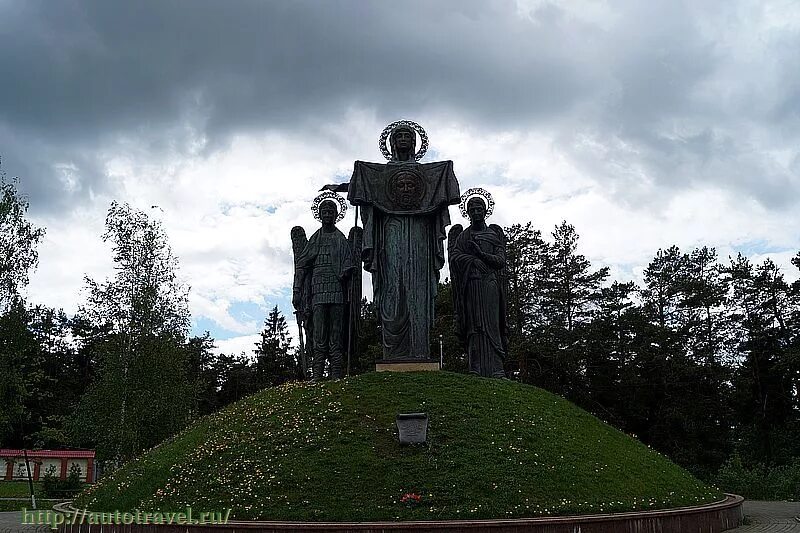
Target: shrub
(50,481)
(53,487)
(73,481)
(760,482)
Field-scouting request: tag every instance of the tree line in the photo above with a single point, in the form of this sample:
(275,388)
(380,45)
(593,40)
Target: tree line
(123,373)
(701,360)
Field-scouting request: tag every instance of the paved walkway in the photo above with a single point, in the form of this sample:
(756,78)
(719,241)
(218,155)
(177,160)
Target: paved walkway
(10,523)
(770,517)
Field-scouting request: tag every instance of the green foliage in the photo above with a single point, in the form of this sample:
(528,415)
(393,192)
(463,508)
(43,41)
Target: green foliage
(760,482)
(22,380)
(236,377)
(571,286)
(134,403)
(328,451)
(553,295)
(764,313)
(50,481)
(444,327)
(202,375)
(135,326)
(18,240)
(700,353)
(684,411)
(369,345)
(74,476)
(42,376)
(275,359)
(55,487)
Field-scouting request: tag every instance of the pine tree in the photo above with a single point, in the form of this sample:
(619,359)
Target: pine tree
(236,377)
(609,352)
(63,372)
(704,296)
(683,411)
(764,383)
(571,289)
(661,295)
(526,252)
(203,380)
(22,380)
(276,362)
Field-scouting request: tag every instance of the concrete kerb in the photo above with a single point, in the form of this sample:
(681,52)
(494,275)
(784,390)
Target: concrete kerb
(712,518)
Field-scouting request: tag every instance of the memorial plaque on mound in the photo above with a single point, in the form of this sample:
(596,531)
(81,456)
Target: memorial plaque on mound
(412,428)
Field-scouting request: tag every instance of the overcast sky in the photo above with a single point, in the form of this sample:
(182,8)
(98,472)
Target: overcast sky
(644,124)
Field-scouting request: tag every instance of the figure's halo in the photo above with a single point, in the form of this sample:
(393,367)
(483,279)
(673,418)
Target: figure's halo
(329,195)
(482,193)
(387,131)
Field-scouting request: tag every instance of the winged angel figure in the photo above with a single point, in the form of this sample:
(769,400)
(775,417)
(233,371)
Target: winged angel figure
(477,257)
(326,292)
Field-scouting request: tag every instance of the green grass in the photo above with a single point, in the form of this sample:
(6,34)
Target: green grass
(14,505)
(18,489)
(18,505)
(329,451)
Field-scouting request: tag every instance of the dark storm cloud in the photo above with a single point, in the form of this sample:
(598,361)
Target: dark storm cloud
(82,74)
(103,64)
(83,77)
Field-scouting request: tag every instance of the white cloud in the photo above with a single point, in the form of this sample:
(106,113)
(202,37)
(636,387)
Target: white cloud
(237,345)
(71,249)
(643,124)
(228,217)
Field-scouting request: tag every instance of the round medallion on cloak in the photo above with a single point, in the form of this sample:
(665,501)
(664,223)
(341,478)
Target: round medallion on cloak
(406,188)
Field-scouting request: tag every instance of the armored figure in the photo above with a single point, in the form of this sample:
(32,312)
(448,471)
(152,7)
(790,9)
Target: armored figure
(477,257)
(321,295)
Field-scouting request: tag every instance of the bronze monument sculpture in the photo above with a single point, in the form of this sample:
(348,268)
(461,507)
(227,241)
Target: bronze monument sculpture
(321,293)
(404,210)
(477,257)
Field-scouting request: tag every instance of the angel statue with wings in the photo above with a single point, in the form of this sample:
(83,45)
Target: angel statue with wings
(477,257)
(322,293)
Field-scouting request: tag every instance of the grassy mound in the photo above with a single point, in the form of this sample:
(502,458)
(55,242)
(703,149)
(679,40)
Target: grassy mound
(329,451)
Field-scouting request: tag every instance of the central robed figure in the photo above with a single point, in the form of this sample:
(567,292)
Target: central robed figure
(404,210)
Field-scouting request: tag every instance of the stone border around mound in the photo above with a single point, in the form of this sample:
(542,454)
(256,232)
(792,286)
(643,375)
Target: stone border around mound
(709,518)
